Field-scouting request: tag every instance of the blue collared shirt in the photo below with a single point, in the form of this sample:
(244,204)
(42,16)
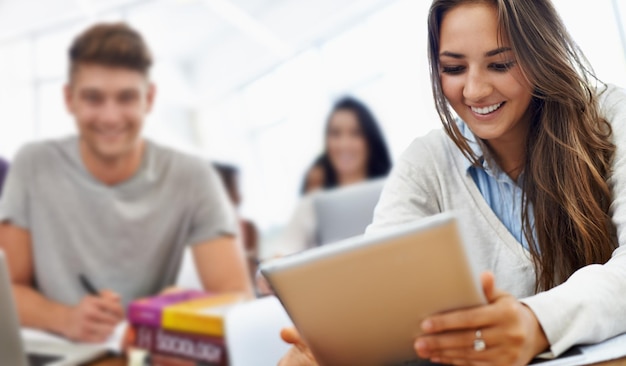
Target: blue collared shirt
(501,193)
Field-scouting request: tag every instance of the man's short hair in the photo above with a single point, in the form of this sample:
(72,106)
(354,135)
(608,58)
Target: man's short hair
(110,44)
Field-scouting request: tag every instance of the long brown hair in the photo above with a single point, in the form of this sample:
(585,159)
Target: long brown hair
(569,152)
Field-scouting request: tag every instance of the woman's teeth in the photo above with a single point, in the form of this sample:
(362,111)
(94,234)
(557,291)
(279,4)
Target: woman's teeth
(487,110)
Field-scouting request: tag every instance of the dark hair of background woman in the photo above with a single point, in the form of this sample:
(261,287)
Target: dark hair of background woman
(379,162)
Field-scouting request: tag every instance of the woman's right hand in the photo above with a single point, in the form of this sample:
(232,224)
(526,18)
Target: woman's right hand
(299,354)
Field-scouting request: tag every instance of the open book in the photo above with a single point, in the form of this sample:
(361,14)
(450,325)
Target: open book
(40,342)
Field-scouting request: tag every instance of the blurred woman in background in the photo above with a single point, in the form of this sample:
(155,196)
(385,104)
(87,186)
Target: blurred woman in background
(355,149)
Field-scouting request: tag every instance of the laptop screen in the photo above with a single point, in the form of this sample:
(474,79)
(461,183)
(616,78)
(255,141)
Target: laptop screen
(41,360)
(344,212)
(12,347)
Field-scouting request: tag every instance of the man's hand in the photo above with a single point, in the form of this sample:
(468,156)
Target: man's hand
(94,318)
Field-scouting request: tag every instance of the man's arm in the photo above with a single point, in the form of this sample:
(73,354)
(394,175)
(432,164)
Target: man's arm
(221,266)
(92,320)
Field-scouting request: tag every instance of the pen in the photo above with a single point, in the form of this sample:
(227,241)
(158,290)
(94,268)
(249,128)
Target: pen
(90,288)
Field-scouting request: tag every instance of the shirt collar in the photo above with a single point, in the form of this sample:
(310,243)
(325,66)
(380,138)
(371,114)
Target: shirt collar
(473,143)
(479,148)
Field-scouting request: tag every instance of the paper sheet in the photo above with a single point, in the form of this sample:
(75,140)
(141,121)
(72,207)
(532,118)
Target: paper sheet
(113,344)
(608,350)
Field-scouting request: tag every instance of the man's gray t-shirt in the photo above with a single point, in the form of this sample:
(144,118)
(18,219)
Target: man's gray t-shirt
(128,237)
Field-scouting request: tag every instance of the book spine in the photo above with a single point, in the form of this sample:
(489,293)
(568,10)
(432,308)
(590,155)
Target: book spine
(187,321)
(209,350)
(144,314)
(148,311)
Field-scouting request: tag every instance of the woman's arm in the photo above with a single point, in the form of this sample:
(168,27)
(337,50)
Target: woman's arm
(589,306)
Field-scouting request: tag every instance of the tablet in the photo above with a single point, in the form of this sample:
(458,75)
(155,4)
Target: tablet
(361,301)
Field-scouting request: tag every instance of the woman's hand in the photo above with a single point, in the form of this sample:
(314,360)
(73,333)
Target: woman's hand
(299,354)
(507,331)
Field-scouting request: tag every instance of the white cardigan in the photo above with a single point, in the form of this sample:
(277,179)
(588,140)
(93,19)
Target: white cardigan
(431,177)
(298,234)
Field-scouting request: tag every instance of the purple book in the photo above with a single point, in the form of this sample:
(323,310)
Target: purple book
(211,351)
(148,310)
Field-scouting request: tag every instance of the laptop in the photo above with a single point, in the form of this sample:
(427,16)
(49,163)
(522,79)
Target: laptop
(361,301)
(345,212)
(15,352)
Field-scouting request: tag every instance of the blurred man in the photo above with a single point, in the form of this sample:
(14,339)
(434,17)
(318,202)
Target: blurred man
(94,221)
(229,175)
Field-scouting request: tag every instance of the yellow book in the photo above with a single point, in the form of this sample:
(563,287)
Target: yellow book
(201,316)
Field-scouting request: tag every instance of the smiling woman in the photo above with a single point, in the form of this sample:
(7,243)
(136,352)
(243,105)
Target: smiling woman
(484,84)
(549,113)
(533,160)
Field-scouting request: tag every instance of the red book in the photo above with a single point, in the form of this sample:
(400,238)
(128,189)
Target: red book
(210,351)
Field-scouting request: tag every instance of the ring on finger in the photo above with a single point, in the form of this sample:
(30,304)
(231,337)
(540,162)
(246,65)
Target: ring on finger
(479,342)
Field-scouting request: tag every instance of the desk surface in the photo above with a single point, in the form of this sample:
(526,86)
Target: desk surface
(110,361)
(119,361)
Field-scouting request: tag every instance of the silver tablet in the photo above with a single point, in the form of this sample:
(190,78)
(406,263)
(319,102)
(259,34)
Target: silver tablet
(361,301)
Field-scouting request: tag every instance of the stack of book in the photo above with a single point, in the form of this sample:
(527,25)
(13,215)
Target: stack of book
(183,328)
